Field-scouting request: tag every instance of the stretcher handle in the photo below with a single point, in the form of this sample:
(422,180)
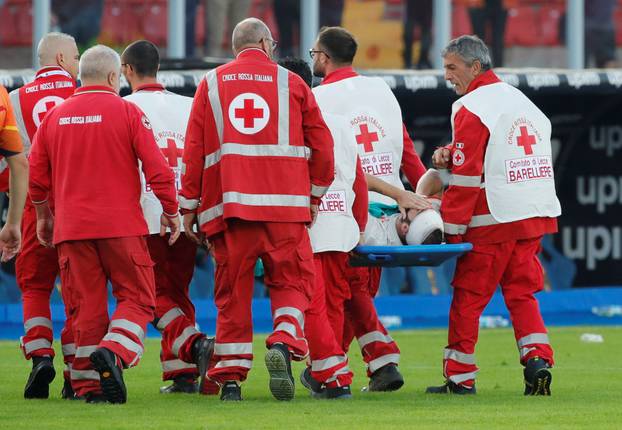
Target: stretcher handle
(380,257)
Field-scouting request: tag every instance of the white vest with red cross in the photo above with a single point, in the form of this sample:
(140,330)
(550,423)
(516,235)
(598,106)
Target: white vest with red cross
(518,166)
(335,228)
(375,119)
(168,114)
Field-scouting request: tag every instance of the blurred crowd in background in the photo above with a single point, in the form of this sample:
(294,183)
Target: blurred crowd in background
(392,34)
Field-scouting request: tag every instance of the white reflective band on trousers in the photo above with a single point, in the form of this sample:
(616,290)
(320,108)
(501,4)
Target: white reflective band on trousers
(83,374)
(383,361)
(36,344)
(533,338)
(327,363)
(233,348)
(288,328)
(126,343)
(341,371)
(85,351)
(374,336)
(168,317)
(234,363)
(182,338)
(128,326)
(460,357)
(37,322)
(462,377)
(292,312)
(465,181)
(173,365)
(69,349)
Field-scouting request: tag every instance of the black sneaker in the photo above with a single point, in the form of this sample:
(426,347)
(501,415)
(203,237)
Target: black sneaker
(95,398)
(202,351)
(387,378)
(41,375)
(67,392)
(338,393)
(451,388)
(231,392)
(278,362)
(315,387)
(104,362)
(185,385)
(537,377)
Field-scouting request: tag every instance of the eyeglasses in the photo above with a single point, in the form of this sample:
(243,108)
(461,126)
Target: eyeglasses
(273,42)
(312,53)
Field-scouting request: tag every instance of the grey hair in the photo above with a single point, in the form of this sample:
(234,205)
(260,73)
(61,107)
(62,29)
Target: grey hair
(49,46)
(469,49)
(249,32)
(97,62)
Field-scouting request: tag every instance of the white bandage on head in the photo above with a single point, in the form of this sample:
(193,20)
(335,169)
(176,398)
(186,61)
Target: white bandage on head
(423,225)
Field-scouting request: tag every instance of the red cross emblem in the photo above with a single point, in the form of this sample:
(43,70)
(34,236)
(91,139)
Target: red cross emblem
(172,152)
(526,140)
(249,113)
(366,138)
(47,107)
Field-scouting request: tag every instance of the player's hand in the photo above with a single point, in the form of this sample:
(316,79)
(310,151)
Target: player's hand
(314,209)
(440,158)
(190,222)
(10,241)
(409,200)
(45,231)
(170,223)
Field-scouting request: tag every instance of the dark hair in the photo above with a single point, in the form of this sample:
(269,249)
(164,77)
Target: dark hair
(338,43)
(299,67)
(144,58)
(434,238)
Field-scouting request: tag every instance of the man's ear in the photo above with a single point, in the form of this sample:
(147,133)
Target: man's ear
(111,79)
(476,67)
(60,58)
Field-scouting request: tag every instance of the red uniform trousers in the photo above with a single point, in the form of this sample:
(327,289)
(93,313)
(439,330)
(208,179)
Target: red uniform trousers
(85,267)
(175,317)
(515,266)
(285,250)
(377,347)
(329,364)
(36,269)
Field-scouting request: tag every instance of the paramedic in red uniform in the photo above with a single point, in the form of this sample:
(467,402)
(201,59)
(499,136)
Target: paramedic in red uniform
(185,350)
(385,149)
(501,198)
(258,158)
(36,267)
(88,151)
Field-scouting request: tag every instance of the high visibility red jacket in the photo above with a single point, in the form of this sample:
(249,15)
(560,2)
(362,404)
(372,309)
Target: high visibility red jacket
(257,147)
(87,149)
(462,201)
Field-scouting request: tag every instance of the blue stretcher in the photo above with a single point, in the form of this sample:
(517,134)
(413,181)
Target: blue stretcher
(407,255)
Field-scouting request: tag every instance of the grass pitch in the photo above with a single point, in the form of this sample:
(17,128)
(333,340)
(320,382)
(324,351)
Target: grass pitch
(586,389)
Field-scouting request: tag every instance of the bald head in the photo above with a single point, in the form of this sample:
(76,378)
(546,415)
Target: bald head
(59,49)
(250,33)
(100,65)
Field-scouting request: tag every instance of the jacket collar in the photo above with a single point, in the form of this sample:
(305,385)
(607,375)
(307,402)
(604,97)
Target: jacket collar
(339,75)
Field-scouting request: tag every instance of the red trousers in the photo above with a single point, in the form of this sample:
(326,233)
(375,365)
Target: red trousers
(515,266)
(285,250)
(361,321)
(85,267)
(173,270)
(329,364)
(36,269)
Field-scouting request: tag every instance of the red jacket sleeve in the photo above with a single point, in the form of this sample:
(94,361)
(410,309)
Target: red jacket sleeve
(39,171)
(158,173)
(467,155)
(317,137)
(194,153)
(412,166)
(361,197)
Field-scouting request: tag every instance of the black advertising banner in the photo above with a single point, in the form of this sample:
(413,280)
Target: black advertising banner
(585,109)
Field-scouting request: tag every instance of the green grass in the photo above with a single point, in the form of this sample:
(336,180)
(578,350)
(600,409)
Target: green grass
(586,387)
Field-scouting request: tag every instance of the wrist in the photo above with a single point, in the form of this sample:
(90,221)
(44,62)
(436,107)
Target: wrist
(315,200)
